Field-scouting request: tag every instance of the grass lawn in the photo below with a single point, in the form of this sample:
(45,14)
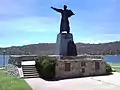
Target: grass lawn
(115,66)
(8,82)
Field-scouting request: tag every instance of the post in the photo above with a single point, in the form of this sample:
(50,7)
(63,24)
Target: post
(4,58)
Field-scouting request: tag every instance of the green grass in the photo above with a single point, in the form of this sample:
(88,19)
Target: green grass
(115,66)
(1,67)
(8,82)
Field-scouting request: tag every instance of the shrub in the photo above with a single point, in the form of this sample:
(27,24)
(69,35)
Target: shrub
(46,67)
(108,68)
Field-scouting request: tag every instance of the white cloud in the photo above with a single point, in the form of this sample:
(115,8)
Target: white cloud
(98,38)
(30,24)
(16,8)
(4,46)
(11,8)
(36,30)
(95,41)
(26,41)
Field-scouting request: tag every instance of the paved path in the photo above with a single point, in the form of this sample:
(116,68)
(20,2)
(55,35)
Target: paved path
(111,82)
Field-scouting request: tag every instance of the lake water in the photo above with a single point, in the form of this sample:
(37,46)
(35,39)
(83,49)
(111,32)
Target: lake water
(2,58)
(111,59)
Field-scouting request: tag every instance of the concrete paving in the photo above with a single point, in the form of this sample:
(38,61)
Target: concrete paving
(111,82)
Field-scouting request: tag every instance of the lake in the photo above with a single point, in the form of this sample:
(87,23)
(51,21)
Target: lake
(1,59)
(111,59)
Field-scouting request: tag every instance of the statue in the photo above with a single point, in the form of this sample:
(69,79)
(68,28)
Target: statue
(64,26)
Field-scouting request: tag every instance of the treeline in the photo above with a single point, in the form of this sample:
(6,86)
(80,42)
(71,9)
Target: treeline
(111,48)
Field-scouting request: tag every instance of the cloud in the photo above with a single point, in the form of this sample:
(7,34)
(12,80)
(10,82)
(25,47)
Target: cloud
(99,38)
(10,9)
(34,20)
(28,24)
(18,8)
(26,41)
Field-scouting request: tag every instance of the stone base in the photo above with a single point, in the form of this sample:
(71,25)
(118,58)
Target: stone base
(65,45)
(79,66)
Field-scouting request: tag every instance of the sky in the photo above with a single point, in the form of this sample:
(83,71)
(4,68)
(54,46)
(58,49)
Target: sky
(25,22)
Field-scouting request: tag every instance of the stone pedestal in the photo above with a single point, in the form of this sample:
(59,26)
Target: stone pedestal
(62,44)
(79,66)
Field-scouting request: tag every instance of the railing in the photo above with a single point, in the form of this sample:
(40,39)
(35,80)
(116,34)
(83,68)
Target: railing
(17,59)
(83,57)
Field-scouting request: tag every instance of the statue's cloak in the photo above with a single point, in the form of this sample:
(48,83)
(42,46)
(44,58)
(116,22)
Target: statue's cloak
(64,21)
(70,13)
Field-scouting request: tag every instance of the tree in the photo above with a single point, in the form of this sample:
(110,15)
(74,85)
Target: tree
(46,67)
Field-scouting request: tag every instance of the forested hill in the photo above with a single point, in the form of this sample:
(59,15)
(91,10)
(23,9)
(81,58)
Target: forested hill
(49,48)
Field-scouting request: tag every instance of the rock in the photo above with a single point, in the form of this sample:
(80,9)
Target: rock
(12,70)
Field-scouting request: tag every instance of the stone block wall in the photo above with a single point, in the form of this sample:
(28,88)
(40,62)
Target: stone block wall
(80,67)
(17,59)
(14,61)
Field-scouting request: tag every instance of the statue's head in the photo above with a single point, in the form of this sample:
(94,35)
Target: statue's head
(65,7)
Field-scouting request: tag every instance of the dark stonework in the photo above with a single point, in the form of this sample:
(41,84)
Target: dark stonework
(65,43)
(62,43)
(71,49)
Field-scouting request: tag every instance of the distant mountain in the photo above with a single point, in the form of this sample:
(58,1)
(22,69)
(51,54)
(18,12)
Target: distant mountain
(110,48)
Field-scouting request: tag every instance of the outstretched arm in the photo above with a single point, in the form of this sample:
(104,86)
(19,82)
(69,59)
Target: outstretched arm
(58,10)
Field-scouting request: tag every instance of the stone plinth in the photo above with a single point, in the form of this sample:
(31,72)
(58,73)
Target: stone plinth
(79,66)
(65,45)
(17,59)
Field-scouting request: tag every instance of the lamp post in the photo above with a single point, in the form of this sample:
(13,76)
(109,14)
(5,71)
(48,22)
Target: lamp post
(4,58)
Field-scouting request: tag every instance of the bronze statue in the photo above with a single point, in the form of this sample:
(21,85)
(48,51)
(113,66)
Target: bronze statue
(64,26)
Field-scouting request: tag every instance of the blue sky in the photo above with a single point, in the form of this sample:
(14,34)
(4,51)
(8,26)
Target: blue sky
(25,22)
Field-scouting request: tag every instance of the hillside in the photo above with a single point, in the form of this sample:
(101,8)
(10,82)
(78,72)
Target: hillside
(49,48)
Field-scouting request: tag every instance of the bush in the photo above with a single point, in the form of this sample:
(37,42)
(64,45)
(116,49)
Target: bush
(108,68)
(46,67)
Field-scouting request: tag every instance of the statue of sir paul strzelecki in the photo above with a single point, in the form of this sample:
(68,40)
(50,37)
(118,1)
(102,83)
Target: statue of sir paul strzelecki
(65,13)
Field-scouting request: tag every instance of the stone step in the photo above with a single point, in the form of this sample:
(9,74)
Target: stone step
(27,68)
(28,65)
(30,71)
(28,60)
(31,76)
